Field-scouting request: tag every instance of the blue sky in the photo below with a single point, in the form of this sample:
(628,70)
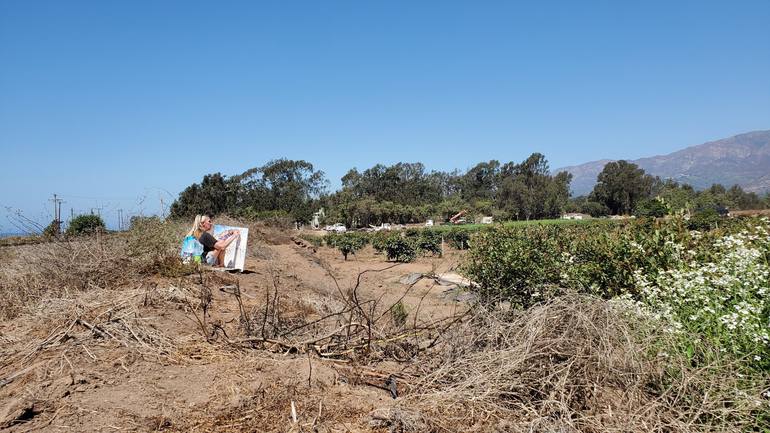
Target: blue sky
(121,104)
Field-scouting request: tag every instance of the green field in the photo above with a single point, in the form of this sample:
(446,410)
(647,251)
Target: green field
(559,221)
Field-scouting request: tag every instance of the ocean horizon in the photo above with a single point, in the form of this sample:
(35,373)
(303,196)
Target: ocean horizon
(10,235)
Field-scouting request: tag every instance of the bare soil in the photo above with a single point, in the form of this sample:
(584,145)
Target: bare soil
(136,358)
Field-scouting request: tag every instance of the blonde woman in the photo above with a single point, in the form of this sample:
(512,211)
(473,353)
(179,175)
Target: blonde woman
(213,249)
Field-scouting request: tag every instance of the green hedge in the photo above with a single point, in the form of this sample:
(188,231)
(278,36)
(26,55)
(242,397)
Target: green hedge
(527,264)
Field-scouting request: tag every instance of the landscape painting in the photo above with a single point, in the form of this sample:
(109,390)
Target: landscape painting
(235,253)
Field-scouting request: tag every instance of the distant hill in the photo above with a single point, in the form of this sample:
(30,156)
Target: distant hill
(743,160)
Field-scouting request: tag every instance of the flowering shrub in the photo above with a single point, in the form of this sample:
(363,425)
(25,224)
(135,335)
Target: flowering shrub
(707,295)
(714,284)
(725,300)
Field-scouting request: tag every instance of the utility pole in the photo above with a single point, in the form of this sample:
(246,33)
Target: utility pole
(57,212)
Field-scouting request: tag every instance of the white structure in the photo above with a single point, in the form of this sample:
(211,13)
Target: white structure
(339,228)
(487,220)
(316,223)
(574,216)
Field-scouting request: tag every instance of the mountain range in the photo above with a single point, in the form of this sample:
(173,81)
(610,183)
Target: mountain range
(742,160)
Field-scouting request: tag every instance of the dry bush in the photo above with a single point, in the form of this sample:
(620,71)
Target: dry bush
(57,268)
(153,245)
(573,365)
(102,261)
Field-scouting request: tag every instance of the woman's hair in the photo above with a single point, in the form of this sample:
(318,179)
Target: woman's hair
(196,230)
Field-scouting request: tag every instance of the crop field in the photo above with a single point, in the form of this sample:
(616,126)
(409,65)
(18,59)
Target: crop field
(550,326)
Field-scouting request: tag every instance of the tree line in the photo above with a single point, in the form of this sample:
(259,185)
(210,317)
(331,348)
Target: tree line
(407,193)
(623,188)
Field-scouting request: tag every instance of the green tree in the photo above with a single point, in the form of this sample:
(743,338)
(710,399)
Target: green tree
(85,224)
(281,186)
(529,191)
(740,199)
(650,207)
(676,197)
(399,193)
(595,209)
(402,183)
(582,204)
(620,185)
(214,195)
(481,182)
(347,243)
(287,185)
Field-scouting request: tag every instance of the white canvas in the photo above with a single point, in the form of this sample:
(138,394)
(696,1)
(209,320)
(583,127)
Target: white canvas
(235,254)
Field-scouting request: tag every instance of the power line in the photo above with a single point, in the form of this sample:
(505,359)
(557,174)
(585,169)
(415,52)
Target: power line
(57,212)
(80,197)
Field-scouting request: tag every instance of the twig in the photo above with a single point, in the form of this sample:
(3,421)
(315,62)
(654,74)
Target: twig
(315,420)
(13,376)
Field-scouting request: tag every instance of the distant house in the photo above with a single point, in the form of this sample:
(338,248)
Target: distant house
(575,216)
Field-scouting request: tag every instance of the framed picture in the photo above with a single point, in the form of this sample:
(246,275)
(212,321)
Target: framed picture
(235,254)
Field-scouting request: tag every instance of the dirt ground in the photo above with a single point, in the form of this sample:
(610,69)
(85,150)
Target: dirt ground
(149,358)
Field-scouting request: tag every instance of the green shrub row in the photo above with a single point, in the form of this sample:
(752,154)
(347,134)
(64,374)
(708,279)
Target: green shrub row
(713,284)
(526,264)
(396,246)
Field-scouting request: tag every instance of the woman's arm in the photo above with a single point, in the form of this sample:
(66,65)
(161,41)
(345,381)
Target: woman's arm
(221,245)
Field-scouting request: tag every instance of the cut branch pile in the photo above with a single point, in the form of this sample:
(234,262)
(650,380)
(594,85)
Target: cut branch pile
(87,328)
(355,327)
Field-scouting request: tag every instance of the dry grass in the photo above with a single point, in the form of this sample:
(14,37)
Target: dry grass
(63,267)
(269,410)
(101,318)
(574,365)
(59,268)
